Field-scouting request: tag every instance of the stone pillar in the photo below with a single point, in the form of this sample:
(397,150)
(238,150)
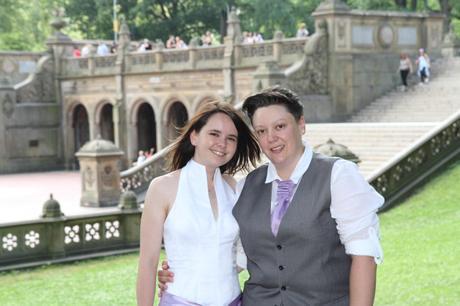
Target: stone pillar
(333,15)
(159,54)
(193,54)
(233,37)
(451,44)
(120,120)
(100,174)
(278,46)
(60,45)
(7,107)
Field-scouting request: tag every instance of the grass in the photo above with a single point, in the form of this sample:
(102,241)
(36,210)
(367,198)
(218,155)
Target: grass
(421,267)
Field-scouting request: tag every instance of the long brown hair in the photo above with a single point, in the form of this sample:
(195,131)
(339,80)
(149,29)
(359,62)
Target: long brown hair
(247,149)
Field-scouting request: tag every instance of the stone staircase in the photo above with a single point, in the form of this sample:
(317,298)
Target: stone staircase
(432,102)
(395,121)
(374,143)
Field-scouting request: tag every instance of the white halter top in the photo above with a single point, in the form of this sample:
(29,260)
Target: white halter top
(200,250)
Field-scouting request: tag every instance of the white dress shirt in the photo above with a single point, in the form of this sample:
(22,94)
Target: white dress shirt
(354,205)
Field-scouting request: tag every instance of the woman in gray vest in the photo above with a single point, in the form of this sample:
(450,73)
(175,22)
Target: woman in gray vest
(308,223)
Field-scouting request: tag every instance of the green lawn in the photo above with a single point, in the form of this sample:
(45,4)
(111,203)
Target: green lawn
(421,267)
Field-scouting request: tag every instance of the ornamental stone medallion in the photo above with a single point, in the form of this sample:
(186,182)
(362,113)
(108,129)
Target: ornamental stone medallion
(8,66)
(386,36)
(7,106)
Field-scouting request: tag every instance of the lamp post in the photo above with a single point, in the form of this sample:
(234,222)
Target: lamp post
(115,21)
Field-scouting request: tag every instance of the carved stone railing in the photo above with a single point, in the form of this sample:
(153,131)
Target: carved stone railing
(211,53)
(38,87)
(409,169)
(105,61)
(175,56)
(143,58)
(257,50)
(41,241)
(285,51)
(138,178)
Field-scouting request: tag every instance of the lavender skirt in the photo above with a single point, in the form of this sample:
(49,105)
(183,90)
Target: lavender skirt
(174,300)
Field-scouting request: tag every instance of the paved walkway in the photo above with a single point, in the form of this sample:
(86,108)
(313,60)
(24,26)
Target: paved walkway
(22,195)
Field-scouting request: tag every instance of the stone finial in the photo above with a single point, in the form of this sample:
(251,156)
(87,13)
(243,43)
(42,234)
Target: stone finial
(233,25)
(330,148)
(194,42)
(124,35)
(58,22)
(278,35)
(159,44)
(51,209)
(128,200)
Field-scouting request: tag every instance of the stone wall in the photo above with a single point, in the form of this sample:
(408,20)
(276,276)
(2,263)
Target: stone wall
(16,66)
(364,48)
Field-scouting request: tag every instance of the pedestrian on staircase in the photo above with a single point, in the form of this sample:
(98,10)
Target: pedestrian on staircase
(423,62)
(405,68)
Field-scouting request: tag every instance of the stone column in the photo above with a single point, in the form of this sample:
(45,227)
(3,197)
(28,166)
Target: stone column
(60,45)
(100,173)
(233,37)
(333,16)
(120,120)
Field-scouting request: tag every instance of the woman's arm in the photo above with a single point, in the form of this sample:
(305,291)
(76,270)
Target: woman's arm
(151,233)
(362,280)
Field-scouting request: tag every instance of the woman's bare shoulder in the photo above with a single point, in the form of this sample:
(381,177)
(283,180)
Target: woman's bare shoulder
(164,186)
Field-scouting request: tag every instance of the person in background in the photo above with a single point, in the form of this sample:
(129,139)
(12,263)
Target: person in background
(207,39)
(171,42)
(102,49)
(423,64)
(302,31)
(180,44)
(86,50)
(140,158)
(190,209)
(76,51)
(405,68)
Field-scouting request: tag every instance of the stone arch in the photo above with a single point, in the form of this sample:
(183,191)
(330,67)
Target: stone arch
(79,123)
(146,127)
(104,120)
(175,117)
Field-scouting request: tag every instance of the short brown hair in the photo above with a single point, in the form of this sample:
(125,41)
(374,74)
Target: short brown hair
(274,96)
(247,149)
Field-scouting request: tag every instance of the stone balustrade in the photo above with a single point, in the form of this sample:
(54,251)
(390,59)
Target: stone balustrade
(284,51)
(410,168)
(31,243)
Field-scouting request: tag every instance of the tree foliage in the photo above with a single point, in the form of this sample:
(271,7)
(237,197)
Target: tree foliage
(24,24)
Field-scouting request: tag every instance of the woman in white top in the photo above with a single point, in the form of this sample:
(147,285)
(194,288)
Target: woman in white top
(191,209)
(423,62)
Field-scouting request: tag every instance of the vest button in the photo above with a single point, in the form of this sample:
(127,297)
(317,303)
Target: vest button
(283,288)
(281,268)
(279,247)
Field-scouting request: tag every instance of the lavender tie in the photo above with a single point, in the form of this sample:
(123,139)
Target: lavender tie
(283,196)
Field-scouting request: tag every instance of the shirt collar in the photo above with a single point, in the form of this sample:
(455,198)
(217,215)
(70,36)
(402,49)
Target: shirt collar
(299,170)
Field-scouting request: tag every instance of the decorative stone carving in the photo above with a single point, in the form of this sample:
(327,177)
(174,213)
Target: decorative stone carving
(8,66)
(7,106)
(386,36)
(100,176)
(309,76)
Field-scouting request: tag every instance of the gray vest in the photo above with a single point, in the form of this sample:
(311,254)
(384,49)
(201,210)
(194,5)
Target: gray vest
(305,264)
